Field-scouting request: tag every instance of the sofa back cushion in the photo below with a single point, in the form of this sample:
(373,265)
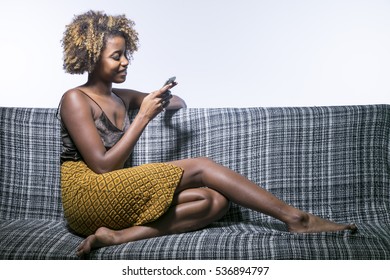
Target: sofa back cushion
(332,161)
(29,164)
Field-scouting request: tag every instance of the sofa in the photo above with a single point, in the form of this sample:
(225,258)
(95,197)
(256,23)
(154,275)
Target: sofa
(332,161)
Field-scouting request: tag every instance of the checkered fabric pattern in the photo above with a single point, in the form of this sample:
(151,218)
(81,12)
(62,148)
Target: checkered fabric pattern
(331,161)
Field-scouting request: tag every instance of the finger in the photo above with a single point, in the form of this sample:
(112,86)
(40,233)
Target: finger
(166,88)
(162,106)
(167,94)
(165,104)
(158,93)
(169,86)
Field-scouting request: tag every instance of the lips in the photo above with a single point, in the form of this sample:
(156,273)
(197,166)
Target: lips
(123,72)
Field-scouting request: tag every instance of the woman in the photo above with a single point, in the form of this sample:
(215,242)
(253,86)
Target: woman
(111,204)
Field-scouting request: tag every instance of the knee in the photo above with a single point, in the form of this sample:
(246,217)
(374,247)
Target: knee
(203,164)
(204,161)
(218,205)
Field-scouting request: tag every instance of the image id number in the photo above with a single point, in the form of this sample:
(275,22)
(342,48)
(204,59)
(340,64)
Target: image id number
(252,270)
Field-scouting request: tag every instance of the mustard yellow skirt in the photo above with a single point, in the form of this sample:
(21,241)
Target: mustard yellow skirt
(117,199)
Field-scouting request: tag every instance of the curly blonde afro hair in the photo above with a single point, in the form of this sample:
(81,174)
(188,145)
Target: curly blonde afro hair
(85,38)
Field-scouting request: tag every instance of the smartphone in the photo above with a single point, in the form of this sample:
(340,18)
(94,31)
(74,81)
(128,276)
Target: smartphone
(170,81)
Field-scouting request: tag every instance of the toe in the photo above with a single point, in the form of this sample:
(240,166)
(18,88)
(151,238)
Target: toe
(353,228)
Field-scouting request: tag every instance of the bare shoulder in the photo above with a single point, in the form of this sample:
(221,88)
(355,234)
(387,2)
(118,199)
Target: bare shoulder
(132,98)
(74,100)
(74,93)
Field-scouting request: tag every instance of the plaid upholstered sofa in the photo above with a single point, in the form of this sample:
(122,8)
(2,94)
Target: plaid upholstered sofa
(331,161)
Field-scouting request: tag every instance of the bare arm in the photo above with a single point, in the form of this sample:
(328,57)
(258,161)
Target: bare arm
(135,98)
(176,103)
(78,118)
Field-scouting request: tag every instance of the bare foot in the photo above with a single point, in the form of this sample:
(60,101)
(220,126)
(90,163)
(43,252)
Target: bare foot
(308,223)
(102,237)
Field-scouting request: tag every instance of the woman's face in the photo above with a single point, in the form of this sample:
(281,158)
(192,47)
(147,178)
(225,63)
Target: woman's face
(112,65)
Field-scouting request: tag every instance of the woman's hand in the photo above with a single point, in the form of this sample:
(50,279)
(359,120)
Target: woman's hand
(155,102)
(134,99)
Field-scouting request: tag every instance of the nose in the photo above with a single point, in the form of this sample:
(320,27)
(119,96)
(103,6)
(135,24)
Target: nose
(124,61)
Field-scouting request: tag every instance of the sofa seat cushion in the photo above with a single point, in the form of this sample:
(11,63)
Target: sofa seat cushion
(266,239)
(37,239)
(256,240)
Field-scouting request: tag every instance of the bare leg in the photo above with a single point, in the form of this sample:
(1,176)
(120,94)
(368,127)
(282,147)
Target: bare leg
(205,172)
(196,208)
(191,209)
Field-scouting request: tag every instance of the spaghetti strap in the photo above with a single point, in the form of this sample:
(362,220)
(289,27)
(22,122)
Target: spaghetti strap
(126,119)
(124,104)
(59,105)
(92,100)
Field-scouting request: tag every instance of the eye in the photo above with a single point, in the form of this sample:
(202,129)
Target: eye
(116,57)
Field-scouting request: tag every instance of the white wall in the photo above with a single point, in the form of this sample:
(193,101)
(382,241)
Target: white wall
(225,53)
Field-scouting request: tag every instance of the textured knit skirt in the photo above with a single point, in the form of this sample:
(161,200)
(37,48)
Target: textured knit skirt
(117,199)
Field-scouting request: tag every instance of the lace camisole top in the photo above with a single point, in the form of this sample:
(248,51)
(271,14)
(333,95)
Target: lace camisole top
(109,133)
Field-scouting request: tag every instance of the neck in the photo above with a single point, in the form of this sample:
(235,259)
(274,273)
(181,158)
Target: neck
(98,86)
